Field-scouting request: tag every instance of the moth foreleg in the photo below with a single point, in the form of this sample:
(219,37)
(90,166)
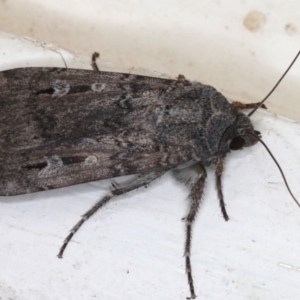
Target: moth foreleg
(141,181)
(241,105)
(195,199)
(219,171)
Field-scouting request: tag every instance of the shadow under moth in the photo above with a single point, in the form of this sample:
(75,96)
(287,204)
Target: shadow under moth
(61,127)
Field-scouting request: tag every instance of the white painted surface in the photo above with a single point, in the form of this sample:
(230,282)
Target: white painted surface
(132,249)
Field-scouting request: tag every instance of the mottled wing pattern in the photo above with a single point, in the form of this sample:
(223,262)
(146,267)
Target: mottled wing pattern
(60,127)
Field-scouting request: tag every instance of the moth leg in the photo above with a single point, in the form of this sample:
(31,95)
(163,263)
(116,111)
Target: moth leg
(240,105)
(94,64)
(219,171)
(195,199)
(140,182)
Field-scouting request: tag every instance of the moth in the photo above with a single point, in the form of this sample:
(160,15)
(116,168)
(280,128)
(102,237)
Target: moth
(61,127)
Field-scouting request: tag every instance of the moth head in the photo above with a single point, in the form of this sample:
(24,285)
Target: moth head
(240,133)
(244,134)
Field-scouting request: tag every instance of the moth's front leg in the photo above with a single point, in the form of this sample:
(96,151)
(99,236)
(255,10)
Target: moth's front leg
(219,171)
(241,105)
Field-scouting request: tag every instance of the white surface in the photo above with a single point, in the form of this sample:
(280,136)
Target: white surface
(132,248)
(240,47)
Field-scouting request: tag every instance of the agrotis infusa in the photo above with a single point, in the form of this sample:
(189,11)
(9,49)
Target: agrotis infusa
(61,127)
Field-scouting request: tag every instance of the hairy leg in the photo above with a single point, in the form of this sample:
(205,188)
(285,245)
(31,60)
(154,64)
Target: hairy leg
(194,177)
(219,171)
(143,180)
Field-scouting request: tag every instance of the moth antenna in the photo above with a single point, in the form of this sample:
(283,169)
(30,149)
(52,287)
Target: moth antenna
(282,174)
(275,86)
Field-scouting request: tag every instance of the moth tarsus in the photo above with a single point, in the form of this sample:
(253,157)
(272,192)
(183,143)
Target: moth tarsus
(76,126)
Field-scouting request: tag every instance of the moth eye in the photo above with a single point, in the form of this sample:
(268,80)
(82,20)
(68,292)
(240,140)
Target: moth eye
(237,143)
